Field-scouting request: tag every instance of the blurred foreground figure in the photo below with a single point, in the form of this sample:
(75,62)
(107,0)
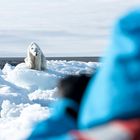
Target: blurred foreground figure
(73,88)
(64,117)
(111,106)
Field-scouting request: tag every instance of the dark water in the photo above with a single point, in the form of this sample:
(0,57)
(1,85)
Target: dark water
(16,60)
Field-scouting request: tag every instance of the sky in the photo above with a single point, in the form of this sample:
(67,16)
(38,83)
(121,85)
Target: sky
(59,27)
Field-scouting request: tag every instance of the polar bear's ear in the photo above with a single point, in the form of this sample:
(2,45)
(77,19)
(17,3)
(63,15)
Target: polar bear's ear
(32,43)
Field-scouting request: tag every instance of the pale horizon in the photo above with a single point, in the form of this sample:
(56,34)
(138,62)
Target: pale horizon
(60,28)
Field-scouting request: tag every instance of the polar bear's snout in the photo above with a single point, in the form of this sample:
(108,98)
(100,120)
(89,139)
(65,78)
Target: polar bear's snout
(37,53)
(34,50)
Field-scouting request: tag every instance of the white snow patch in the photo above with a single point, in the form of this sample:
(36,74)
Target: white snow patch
(32,79)
(26,96)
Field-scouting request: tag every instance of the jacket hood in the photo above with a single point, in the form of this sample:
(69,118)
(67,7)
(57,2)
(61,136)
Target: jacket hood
(115,92)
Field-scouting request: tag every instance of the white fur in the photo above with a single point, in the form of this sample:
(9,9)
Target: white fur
(35,58)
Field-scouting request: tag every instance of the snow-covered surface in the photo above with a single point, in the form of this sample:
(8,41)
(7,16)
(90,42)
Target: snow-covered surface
(60,27)
(26,96)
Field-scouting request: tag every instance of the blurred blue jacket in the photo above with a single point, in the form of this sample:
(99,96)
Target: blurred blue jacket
(115,91)
(58,125)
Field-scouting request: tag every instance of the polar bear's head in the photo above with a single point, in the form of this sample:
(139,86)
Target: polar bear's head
(34,49)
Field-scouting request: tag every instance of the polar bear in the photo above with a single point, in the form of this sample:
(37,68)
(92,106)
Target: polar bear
(35,58)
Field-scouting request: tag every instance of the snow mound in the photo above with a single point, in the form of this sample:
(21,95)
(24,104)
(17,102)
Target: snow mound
(18,120)
(32,79)
(11,92)
(26,95)
(7,68)
(45,98)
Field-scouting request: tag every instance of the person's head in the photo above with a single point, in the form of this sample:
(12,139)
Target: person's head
(73,86)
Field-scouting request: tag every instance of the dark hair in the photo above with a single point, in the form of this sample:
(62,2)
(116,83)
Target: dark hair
(73,86)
